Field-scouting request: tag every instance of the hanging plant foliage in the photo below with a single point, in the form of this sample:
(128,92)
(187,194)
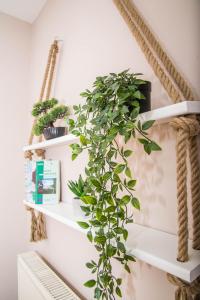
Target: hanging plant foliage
(111,109)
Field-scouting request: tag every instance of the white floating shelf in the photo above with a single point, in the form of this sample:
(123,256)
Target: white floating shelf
(152,246)
(170,111)
(60,141)
(159,249)
(62,212)
(166,112)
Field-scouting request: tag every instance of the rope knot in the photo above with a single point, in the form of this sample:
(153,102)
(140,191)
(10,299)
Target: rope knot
(185,290)
(40,153)
(28,154)
(189,125)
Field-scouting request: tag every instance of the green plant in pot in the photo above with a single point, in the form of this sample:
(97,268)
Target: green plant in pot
(47,112)
(110,110)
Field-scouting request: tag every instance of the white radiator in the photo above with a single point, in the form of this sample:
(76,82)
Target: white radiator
(36,281)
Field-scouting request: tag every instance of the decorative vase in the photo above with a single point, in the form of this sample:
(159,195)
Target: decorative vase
(54,132)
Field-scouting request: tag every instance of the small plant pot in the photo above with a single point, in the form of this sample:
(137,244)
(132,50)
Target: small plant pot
(145,104)
(54,132)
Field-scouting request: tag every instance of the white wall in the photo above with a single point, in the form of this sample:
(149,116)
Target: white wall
(14,73)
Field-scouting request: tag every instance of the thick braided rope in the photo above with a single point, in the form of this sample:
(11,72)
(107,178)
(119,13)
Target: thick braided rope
(46,74)
(195,190)
(52,69)
(41,227)
(34,232)
(40,153)
(28,154)
(186,128)
(38,227)
(161,54)
(41,224)
(159,71)
(185,290)
(142,34)
(181,169)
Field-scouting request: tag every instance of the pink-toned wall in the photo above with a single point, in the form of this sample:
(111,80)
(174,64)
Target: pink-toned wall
(14,74)
(96,41)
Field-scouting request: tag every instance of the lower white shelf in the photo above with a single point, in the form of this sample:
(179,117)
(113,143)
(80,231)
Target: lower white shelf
(152,246)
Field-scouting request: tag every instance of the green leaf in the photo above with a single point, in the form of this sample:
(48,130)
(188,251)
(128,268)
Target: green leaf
(114,189)
(136,203)
(97,293)
(135,113)
(128,172)
(127,136)
(74,156)
(100,239)
(127,153)
(155,147)
(147,148)
(125,234)
(89,236)
(83,140)
(129,257)
(121,247)
(86,209)
(111,153)
(131,183)
(90,283)
(98,214)
(138,95)
(125,199)
(95,182)
(110,250)
(110,201)
(83,225)
(119,168)
(118,230)
(110,209)
(89,265)
(143,141)
(118,292)
(147,124)
(107,176)
(119,281)
(89,200)
(126,267)
(95,223)
(116,178)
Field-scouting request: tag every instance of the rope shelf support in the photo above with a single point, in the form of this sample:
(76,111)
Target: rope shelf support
(187,130)
(38,225)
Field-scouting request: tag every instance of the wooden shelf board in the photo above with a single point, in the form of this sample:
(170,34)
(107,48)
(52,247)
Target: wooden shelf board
(152,246)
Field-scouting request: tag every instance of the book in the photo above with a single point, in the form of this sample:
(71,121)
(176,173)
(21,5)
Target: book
(42,181)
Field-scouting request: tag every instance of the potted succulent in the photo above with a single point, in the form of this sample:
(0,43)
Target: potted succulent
(110,110)
(47,112)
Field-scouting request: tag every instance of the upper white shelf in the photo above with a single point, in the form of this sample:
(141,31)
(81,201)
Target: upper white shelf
(60,141)
(170,111)
(152,246)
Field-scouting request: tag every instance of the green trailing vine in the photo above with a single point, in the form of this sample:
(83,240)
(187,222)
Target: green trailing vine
(111,109)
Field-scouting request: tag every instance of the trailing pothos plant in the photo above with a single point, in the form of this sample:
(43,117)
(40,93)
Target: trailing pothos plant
(110,110)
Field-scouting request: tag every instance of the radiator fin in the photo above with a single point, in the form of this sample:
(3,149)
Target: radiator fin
(45,278)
